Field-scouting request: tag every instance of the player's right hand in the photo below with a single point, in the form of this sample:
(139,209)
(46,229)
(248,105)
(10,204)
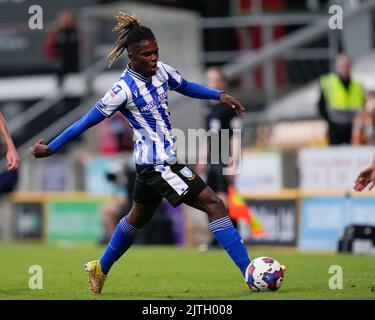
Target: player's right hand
(40,150)
(365,177)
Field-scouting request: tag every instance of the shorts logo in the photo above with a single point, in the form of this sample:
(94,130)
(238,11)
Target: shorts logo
(186,172)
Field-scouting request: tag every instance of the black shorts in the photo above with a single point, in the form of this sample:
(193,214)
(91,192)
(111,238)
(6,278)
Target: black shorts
(177,183)
(216,180)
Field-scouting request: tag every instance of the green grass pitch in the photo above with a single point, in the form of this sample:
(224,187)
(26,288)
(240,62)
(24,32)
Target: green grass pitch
(168,272)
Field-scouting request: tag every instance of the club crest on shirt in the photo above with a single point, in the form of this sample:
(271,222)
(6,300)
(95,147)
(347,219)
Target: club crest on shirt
(186,172)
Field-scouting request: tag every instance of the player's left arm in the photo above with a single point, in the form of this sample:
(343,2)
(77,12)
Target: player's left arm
(198,91)
(195,90)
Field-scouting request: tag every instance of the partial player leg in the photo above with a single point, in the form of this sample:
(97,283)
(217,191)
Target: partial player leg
(221,227)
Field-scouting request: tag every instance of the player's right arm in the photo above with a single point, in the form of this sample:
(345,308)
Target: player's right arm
(106,107)
(41,149)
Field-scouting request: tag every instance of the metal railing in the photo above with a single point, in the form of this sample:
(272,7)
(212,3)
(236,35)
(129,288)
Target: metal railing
(288,47)
(42,106)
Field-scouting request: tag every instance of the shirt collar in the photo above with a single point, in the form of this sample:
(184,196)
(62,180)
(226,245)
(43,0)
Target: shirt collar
(136,74)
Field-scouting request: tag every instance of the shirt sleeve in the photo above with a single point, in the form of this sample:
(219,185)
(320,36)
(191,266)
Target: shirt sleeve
(191,89)
(113,99)
(174,78)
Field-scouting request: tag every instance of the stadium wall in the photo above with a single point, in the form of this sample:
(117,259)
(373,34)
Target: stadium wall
(304,220)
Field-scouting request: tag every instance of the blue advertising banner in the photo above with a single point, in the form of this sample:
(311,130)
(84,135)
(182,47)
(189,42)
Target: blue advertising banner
(323,219)
(362,210)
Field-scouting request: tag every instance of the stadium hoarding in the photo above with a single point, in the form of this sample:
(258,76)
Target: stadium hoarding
(278,214)
(333,168)
(267,176)
(27,221)
(57,216)
(27,216)
(324,219)
(74,219)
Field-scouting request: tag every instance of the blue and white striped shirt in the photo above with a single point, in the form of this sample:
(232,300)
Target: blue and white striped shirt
(144,103)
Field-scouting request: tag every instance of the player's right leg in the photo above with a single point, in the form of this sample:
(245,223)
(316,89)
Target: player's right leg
(221,226)
(121,241)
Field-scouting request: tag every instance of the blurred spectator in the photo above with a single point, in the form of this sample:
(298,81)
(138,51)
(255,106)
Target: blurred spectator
(219,117)
(62,45)
(341,98)
(364,123)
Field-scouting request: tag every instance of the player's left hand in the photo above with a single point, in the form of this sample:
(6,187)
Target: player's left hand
(40,150)
(233,103)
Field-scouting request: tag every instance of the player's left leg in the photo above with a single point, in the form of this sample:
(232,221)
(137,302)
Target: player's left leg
(221,226)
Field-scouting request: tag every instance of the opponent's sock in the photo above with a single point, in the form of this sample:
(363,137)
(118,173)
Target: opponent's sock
(231,241)
(121,240)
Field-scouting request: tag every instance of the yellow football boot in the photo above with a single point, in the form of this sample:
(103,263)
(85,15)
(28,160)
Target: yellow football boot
(96,276)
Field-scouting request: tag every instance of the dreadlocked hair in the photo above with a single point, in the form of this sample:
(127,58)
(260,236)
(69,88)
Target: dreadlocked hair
(130,31)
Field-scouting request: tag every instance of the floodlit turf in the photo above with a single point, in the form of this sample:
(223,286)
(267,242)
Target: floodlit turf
(155,272)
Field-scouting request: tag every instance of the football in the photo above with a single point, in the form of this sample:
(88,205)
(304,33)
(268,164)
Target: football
(264,274)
